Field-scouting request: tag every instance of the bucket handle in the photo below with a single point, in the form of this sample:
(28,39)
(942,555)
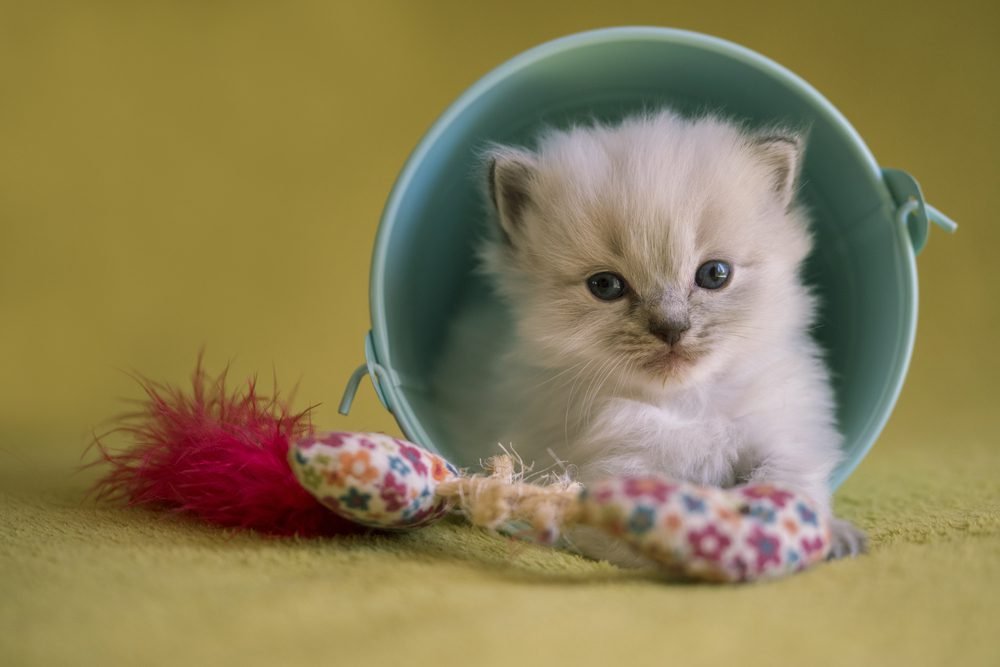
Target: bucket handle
(912,211)
(372,368)
(347,400)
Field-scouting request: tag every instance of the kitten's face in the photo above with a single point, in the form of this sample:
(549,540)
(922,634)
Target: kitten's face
(652,252)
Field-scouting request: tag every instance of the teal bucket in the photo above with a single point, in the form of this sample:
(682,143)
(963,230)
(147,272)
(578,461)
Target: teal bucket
(870,222)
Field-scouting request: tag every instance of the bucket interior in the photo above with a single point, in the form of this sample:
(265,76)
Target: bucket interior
(861,268)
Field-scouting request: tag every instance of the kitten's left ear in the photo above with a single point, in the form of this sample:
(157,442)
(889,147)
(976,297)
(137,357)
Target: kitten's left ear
(781,153)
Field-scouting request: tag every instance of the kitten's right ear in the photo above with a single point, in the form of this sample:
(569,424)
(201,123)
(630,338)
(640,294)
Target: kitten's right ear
(511,172)
(781,153)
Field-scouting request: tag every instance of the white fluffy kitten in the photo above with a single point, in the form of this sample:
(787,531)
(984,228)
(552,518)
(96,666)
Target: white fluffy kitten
(661,325)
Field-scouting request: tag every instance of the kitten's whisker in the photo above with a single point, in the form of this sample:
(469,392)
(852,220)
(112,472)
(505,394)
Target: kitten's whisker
(569,399)
(586,397)
(578,377)
(580,408)
(623,376)
(566,370)
(596,390)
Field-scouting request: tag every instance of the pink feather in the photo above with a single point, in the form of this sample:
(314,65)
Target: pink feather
(217,456)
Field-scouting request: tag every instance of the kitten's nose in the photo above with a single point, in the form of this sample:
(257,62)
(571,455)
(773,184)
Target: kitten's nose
(669,331)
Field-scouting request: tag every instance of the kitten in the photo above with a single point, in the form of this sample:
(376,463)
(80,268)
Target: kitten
(660,323)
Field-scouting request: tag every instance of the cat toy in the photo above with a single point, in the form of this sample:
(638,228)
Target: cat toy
(241,459)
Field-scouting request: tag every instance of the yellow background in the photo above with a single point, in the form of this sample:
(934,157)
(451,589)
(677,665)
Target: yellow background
(183,174)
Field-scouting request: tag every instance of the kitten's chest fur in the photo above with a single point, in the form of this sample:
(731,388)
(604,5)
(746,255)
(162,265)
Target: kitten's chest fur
(697,434)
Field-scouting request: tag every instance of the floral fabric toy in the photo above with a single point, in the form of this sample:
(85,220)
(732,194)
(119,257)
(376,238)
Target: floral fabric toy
(741,534)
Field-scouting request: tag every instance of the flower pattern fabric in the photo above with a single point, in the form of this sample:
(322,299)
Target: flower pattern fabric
(372,478)
(746,533)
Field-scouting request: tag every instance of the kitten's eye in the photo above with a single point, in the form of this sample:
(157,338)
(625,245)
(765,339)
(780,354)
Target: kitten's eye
(607,286)
(713,274)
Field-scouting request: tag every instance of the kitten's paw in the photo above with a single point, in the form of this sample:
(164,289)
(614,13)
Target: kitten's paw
(847,540)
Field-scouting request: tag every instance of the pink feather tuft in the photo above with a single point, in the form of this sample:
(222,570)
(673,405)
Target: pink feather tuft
(216,456)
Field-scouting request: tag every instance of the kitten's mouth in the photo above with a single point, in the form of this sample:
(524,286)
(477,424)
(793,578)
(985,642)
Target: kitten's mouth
(671,359)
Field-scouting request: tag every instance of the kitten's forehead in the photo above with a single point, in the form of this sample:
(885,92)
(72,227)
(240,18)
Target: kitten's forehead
(651,196)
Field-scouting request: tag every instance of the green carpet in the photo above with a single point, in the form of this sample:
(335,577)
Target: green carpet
(86,584)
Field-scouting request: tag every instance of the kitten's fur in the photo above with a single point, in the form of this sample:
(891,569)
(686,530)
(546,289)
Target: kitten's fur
(742,397)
